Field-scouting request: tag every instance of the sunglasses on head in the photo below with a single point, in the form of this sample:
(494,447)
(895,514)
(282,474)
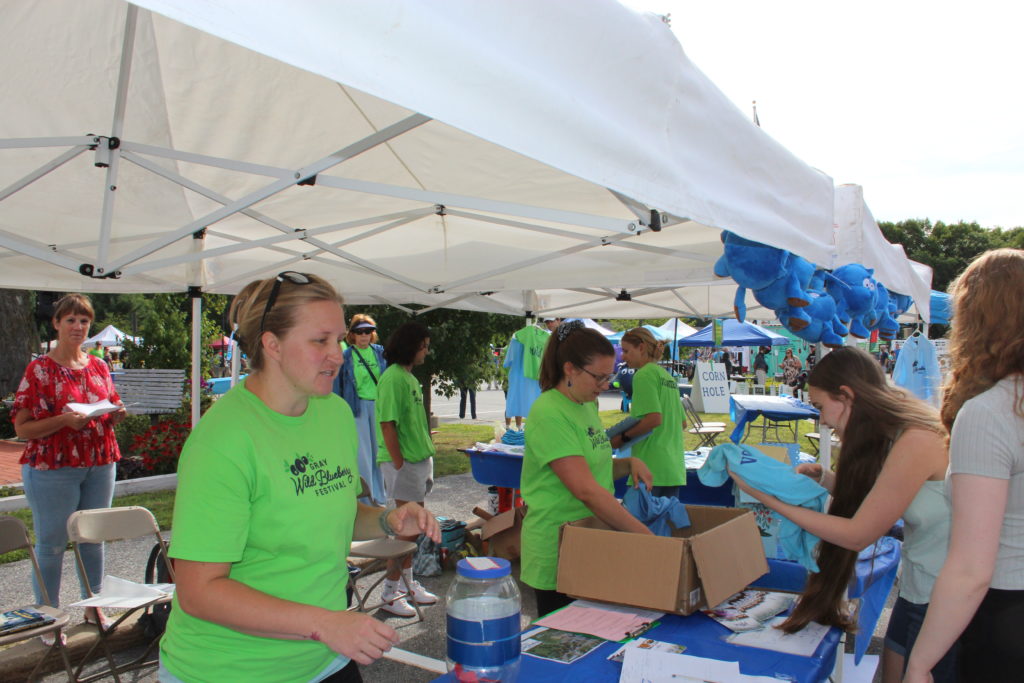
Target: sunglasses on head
(292,277)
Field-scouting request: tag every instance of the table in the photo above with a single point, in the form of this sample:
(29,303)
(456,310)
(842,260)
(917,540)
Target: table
(703,637)
(745,409)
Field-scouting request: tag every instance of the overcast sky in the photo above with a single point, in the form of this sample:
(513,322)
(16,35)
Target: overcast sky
(921,103)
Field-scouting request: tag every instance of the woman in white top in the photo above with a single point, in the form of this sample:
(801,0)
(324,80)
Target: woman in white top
(892,465)
(980,590)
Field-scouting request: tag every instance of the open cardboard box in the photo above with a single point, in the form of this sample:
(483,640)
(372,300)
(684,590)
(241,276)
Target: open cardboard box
(698,566)
(502,533)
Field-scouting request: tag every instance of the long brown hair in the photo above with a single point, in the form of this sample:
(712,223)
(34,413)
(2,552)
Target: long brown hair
(987,340)
(879,412)
(570,343)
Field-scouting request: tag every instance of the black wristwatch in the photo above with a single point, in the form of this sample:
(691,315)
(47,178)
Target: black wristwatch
(624,436)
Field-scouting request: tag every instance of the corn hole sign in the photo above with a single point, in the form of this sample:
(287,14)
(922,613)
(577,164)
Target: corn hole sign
(710,392)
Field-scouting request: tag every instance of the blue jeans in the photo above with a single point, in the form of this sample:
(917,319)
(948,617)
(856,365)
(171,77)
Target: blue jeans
(53,495)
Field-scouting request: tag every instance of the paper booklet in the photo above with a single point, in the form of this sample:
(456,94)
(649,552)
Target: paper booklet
(646,644)
(749,609)
(804,642)
(611,622)
(558,646)
(92,409)
(20,619)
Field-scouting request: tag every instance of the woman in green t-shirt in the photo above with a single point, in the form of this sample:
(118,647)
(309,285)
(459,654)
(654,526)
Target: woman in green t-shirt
(656,403)
(266,508)
(568,467)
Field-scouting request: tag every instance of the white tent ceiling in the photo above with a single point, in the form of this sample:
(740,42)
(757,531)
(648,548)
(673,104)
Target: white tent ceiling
(457,149)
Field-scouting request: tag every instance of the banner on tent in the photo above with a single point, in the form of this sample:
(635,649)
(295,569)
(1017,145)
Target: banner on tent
(710,388)
(719,331)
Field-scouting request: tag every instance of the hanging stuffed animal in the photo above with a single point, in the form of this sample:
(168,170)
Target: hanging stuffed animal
(777,278)
(884,322)
(856,300)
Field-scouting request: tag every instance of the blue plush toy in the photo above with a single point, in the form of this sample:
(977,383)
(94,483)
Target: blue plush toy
(777,278)
(884,322)
(857,299)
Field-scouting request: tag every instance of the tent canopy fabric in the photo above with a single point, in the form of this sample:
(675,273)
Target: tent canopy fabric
(860,240)
(941,308)
(408,154)
(676,328)
(590,324)
(735,333)
(108,336)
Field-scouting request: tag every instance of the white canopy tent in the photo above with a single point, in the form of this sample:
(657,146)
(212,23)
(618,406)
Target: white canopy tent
(406,152)
(108,336)
(859,240)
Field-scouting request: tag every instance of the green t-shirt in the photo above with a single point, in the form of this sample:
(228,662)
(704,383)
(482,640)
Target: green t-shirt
(655,391)
(275,496)
(366,388)
(400,400)
(534,340)
(558,428)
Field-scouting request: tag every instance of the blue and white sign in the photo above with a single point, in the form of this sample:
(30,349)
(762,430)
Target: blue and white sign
(710,388)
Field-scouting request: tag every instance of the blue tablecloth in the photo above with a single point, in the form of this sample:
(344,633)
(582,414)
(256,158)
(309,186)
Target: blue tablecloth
(703,637)
(746,409)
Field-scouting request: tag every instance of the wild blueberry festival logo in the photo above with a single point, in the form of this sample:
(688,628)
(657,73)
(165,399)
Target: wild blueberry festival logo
(596,436)
(309,474)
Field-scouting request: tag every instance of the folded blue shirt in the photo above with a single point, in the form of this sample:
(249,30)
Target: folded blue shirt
(656,511)
(767,474)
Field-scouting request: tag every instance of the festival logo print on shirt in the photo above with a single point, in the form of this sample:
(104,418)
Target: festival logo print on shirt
(596,436)
(311,475)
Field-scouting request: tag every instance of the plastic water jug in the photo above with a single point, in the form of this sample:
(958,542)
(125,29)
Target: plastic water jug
(483,621)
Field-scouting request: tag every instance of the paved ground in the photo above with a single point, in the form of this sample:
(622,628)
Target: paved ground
(453,496)
(10,470)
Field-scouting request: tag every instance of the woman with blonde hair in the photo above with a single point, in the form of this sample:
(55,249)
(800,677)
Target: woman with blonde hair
(357,384)
(892,465)
(656,404)
(266,508)
(980,590)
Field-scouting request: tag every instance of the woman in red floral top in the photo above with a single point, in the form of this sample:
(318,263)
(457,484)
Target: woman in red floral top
(69,461)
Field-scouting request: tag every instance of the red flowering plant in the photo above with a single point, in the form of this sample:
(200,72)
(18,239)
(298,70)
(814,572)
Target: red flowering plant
(160,445)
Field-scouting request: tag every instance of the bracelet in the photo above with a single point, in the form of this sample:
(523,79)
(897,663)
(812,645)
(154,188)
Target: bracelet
(385,526)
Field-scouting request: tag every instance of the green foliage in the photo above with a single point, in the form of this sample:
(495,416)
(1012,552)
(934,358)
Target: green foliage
(160,446)
(6,426)
(128,429)
(948,248)
(166,332)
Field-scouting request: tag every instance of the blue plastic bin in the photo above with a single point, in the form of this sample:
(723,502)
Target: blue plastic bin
(496,469)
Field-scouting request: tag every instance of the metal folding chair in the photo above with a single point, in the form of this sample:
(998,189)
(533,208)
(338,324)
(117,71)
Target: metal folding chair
(379,551)
(14,536)
(707,431)
(115,524)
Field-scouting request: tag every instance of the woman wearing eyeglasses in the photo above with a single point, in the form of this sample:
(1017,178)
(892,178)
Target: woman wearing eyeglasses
(357,384)
(568,467)
(656,403)
(266,508)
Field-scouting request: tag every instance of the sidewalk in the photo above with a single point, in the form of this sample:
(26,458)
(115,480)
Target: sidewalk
(10,470)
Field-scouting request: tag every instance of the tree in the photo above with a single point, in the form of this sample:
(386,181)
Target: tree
(948,248)
(166,332)
(18,336)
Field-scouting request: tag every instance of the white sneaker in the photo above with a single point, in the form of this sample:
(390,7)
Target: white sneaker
(394,600)
(420,594)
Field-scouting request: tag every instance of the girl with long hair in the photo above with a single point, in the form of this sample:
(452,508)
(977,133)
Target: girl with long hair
(892,465)
(980,590)
(656,403)
(568,467)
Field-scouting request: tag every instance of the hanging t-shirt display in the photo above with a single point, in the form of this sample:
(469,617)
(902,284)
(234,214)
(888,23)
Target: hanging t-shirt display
(917,369)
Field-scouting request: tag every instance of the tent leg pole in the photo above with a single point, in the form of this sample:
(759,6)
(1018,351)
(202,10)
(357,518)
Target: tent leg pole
(197,336)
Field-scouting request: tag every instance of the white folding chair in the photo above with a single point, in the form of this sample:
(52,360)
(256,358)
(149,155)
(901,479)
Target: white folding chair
(14,536)
(115,524)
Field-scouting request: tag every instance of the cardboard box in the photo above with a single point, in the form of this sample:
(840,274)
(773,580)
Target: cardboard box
(701,565)
(502,533)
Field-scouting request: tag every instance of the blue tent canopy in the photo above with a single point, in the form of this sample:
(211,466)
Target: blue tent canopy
(735,333)
(941,308)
